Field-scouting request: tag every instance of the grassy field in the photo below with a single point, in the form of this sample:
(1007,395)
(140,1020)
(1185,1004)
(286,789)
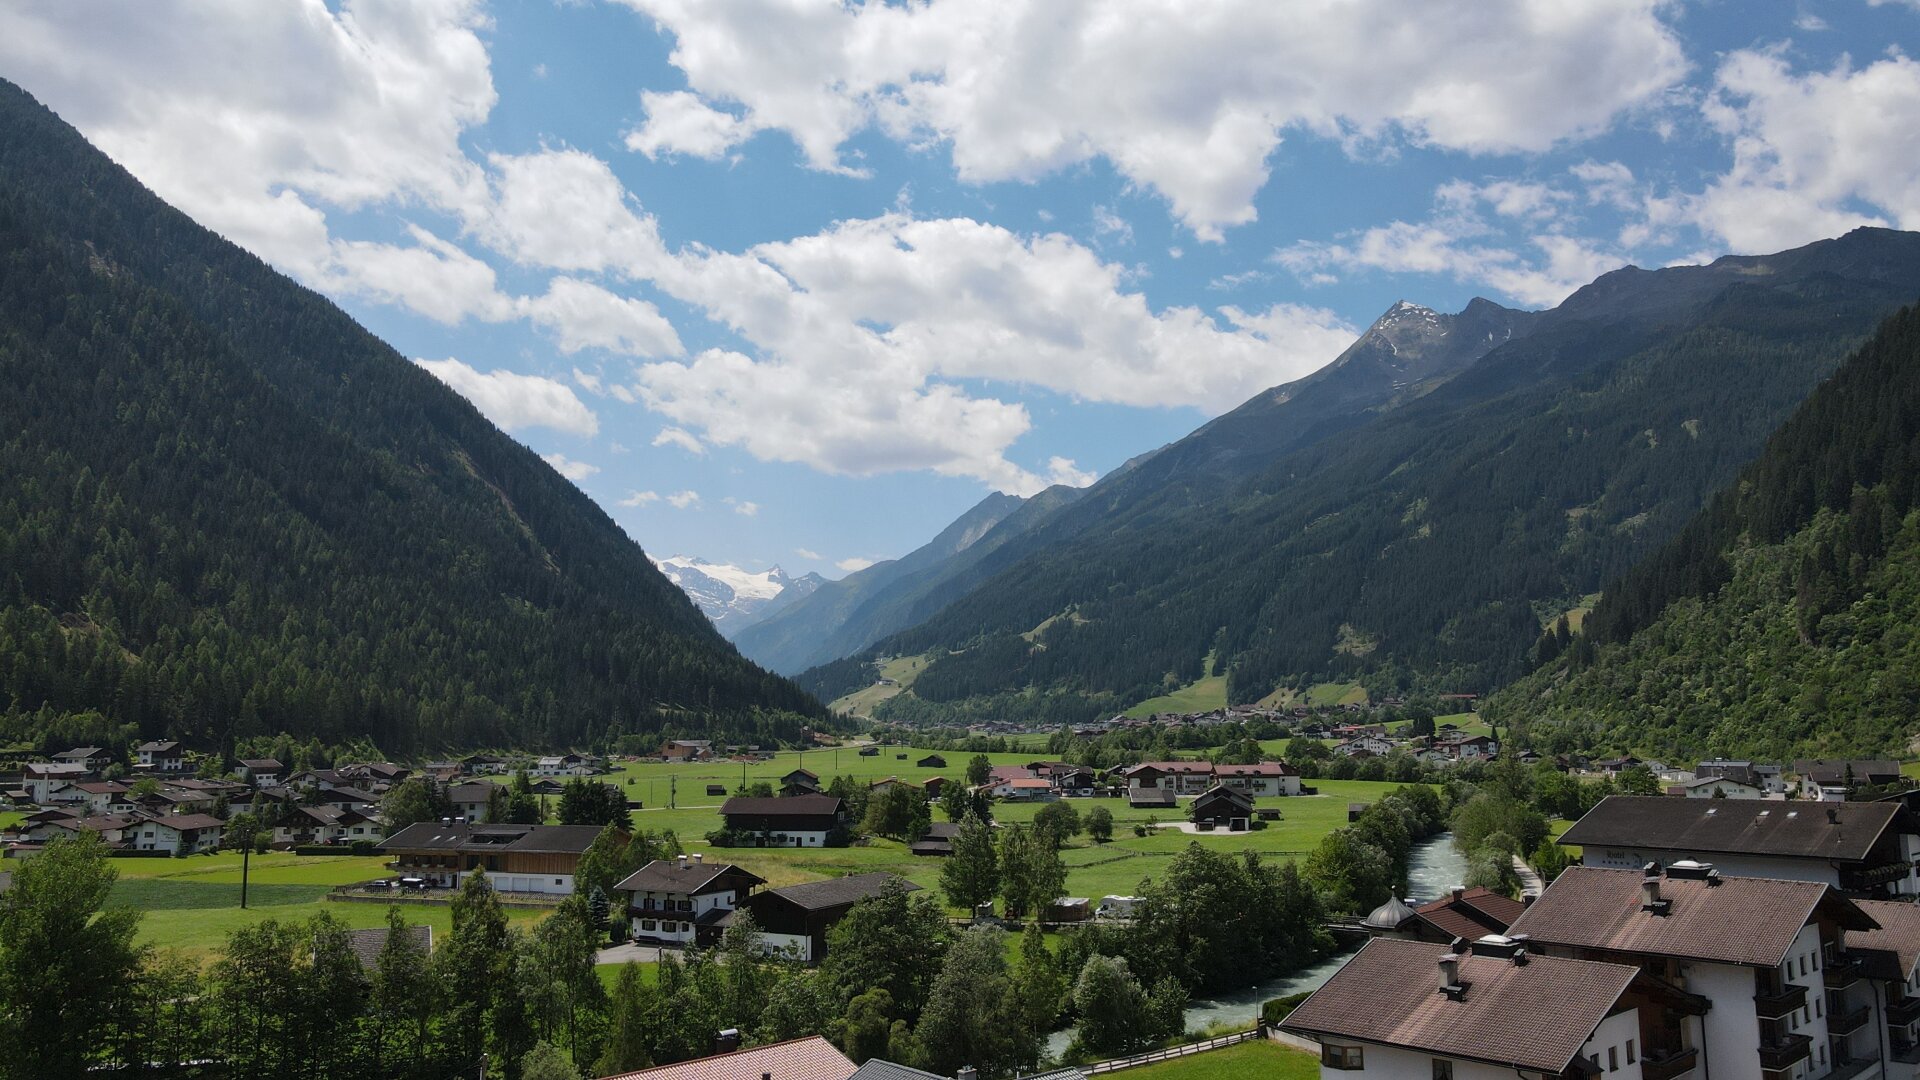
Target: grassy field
(1093,870)
(10,818)
(1209,693)
(192,904)
(1268,1060)
(902,670)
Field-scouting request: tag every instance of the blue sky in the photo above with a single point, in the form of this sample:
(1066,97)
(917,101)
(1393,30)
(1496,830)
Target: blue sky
(798,281)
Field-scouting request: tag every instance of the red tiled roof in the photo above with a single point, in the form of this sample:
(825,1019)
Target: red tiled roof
(1477,913)
(811,1058)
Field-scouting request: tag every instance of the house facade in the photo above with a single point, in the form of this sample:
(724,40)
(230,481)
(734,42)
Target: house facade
(514,858)
(794,921)
(684,901)
(160,755)
(1264,779)
(784,821)
(1867,850)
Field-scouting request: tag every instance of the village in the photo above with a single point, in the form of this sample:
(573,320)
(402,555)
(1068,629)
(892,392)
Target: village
(1784,889)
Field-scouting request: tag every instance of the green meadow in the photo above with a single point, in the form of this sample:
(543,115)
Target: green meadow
(193,904)
(1269,1060)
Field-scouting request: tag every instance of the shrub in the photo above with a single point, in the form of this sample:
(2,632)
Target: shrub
(1277,1010)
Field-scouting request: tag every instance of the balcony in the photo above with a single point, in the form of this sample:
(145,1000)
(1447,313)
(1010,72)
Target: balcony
(1779,1055)
(1903,1011)
(1847,1070)
(1779,1003)
(1667,1064)
(1842,970)
(1846,1023)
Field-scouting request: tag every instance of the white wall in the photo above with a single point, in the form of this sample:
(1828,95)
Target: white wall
(1732,1041)
(503,881)
(1729,865)
(1394,1063)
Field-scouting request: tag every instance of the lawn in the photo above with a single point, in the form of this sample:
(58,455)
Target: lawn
(193,904)
(10,818)
(1262,1058)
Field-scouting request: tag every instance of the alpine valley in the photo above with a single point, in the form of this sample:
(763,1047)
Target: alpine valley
(1412,516)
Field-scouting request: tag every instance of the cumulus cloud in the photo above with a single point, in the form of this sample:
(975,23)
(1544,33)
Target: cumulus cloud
(565,210)
(308,107)
(1813,155)
(640,498)
(572,470)
(855,563)
(742,506)
(1188,102)
(582,315)
(681,438)
(1506,236)
(1062,470)
(807,553)
(681,500)
(514,401)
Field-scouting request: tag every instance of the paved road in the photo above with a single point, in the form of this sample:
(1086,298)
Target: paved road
(620,954)
(1530,883)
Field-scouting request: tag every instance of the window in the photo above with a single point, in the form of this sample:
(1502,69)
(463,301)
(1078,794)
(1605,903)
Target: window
(1817,1006)
(1630,1057)
(1442,1069)
(1341,1057)
(1613,1059)
(646,924)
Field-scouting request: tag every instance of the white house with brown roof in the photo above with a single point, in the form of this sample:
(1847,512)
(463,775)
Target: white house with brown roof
(159,755)
(683,901)
(1261,779)
(1489,1010)
(1766,960)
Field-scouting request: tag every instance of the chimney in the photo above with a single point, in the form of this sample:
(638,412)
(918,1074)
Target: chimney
(1833,816)
(1457,892)
(727,1041)
(1450,976)
(1650,899)
(683,861)
(967,1072)
(698,858)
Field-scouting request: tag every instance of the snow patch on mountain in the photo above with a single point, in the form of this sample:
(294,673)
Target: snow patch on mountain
(732,596)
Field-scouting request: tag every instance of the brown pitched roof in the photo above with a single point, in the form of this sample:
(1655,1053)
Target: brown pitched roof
(1531,1016)
(459,836)
(1476,913)
(811,1058)
(1891,951)
(783,806)
(366,944)
(833,892)
(1740,920)
(1735,826)
(667,875)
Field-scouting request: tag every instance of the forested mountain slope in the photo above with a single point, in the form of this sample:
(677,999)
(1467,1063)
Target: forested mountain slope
(1424,543)
(226,509)
(1784,620)
(843,617)
(1406,353)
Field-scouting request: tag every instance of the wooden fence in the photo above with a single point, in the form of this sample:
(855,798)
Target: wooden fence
(1171,1052)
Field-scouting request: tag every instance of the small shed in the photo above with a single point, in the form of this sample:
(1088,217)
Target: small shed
(931,761)
(1223,808)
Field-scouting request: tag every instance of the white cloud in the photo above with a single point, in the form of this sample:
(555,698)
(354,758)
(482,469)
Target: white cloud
(680,123)
(1062,470)
(855,563)
(681,438)
(1521,253)
(575,471)
(862,331)
(806,553)
(514,401)
(253,118)
(1814,155)
(681,500)
(589,382)
(433,277)
(565,210)
(582,315)
(640,498)
(1187,101)
(1108,225)
(742,506)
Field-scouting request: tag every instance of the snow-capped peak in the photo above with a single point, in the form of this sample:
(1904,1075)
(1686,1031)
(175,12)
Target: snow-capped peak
(732,596)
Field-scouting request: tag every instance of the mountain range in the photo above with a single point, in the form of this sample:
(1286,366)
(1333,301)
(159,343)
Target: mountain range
(732,596)
(226,510)
(1411,514)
